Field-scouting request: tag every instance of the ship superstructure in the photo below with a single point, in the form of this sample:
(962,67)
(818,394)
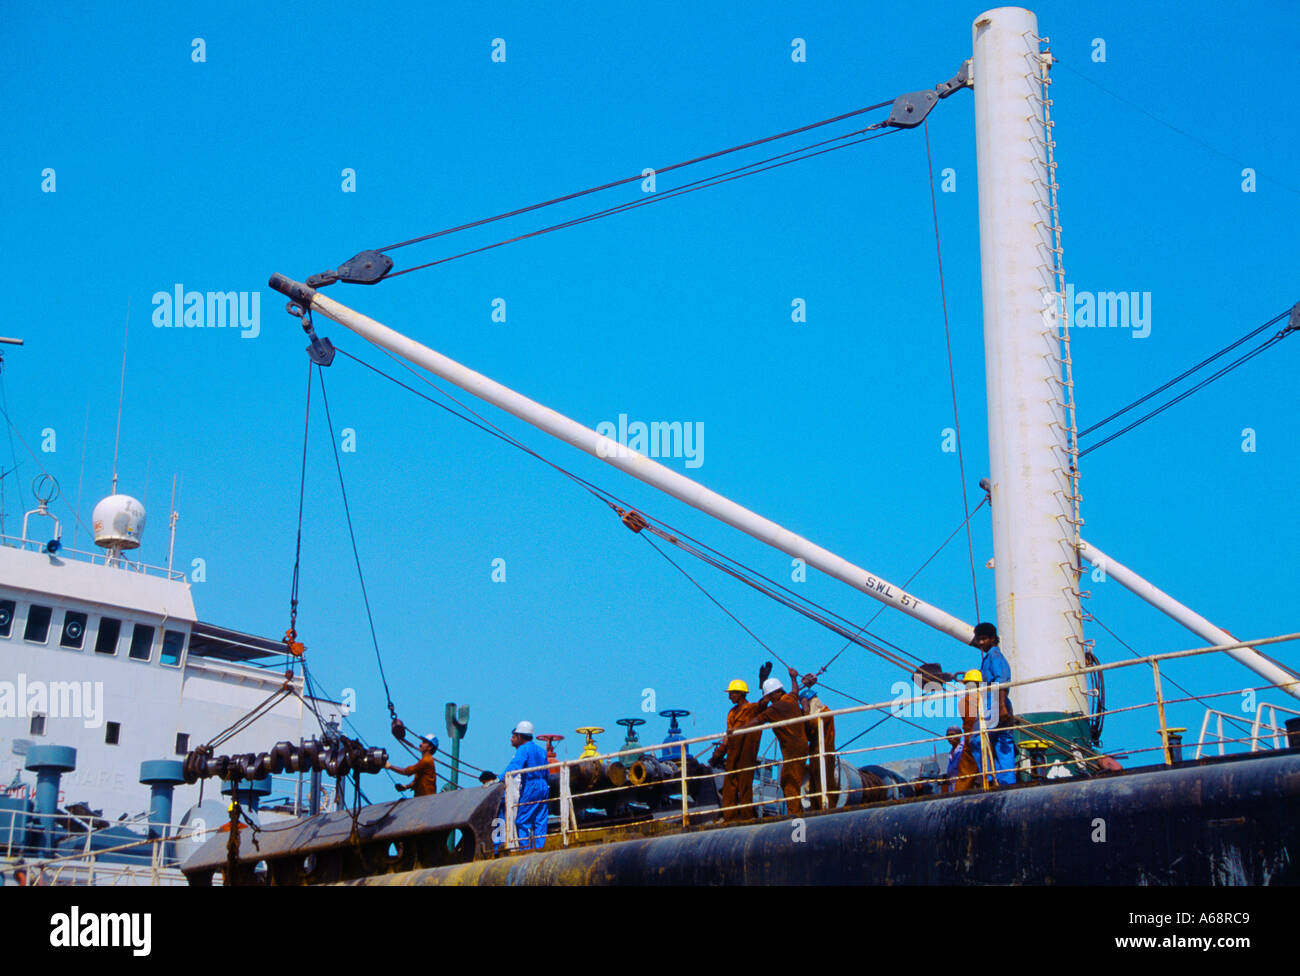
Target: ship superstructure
(111,678)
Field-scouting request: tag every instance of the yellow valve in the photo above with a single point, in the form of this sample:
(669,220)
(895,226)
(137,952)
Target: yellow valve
(589,749)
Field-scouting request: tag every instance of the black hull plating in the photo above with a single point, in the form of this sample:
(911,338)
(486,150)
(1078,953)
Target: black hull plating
(1217,822)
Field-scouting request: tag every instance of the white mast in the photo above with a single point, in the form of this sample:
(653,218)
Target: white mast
(637,465)
(1033,538)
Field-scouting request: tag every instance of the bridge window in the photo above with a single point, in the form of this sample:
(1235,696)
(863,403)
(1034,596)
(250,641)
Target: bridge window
(37,726)
(182,743)
(38,624)
(74,630)
(112,732)
(109,630)
(142,642)
(6,617)
(173,644)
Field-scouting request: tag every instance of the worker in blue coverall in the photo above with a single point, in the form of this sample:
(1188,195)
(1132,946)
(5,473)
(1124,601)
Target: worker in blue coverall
(1001,718)
(534,792)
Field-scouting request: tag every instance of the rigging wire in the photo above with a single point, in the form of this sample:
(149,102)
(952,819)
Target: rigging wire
(13,428)
(4,401)
(952,376)
(702,184)
(881,609)
(888,714)
(291,635)
(639,176)
(716,602)
(1167,125)
(248,718)
(1182,376)
(794,603)
(1223,371)
(1164,672)
(619,505)
(353,536)
(725,563)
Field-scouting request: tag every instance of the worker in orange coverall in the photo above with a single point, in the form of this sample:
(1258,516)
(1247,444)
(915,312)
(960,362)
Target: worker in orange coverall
(424,771)
(740,752)
(779,705)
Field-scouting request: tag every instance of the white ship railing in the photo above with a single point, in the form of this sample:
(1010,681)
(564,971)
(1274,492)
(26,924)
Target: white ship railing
(1278,733)
(157,859)
(96,558)
(826,795)
(1260,731)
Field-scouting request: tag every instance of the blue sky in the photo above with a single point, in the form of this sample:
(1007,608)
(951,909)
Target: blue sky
(214,174)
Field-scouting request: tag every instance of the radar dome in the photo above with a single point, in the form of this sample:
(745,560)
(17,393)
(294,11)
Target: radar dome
(118,522)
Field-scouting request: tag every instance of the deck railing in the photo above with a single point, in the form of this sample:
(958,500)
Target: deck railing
(95,558)
(825,794)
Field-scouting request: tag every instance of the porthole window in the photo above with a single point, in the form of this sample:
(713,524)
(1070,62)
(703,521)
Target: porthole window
(74,630)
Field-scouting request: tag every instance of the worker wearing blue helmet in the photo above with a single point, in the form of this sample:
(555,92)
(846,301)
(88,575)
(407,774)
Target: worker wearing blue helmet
(1001,718)
(534,791)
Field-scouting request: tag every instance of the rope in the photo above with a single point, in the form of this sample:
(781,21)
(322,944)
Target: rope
(639,176)
(1168,125)
(13,453)
(952,376)
(698,549)
(353,536)
(1241,360)
(702,184)
(794,603)
(908,581)
(13,428)
(292,634)
(714,599)
(248,718)
(1164,673)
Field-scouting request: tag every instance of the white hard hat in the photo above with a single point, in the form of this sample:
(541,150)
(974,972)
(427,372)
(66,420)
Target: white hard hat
(771,685)
(524,728)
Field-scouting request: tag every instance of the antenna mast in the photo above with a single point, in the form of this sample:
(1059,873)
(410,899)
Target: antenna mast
(171,545)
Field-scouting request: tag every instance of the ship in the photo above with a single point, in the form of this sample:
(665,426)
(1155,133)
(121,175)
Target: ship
(647,814)
(643,813)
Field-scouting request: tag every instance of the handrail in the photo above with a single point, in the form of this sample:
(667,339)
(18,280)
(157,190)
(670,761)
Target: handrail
(1277,730)
(568,824)
(95,558)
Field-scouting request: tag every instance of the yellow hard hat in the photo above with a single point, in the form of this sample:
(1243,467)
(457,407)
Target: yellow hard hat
(972,675)
(738,685)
